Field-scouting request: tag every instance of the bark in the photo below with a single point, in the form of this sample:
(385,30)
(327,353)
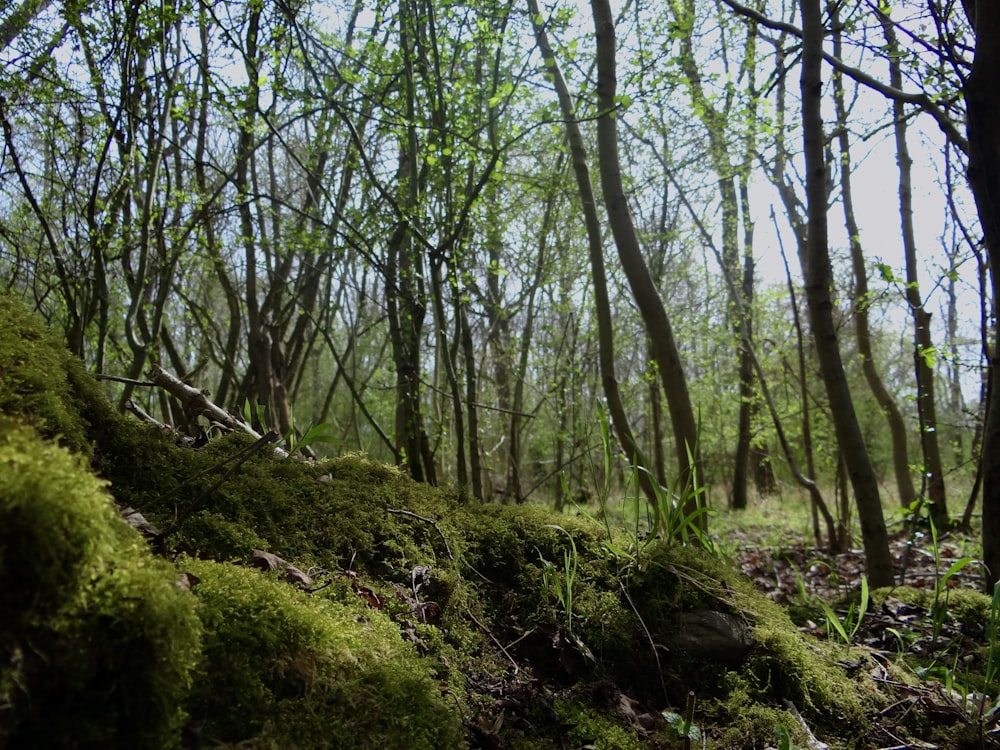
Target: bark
(982,100)
(644,291)
(862,329)
(602,303)
(923,345)
(819,282)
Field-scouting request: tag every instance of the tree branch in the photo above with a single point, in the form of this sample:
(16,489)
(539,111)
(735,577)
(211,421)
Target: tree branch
(920,100)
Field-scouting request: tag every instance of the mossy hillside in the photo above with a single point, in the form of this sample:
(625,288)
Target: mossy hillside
(281,668)
(42,383)
(97,643)
(336,514)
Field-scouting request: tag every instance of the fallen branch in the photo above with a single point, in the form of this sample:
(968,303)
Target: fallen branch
(196,402)
(133,408)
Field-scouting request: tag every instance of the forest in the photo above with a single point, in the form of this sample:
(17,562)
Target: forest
(684,258)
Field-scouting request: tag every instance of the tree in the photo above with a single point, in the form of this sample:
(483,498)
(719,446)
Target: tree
(924,353)
(602,303)
(731,160)
(861,295)
(818,281)
(646,296)
(982,100)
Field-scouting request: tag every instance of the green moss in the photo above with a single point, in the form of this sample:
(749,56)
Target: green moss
(962,604)
(39,380)
(784,667)
(585,726)
(286,669)
(97,640)
(745,722)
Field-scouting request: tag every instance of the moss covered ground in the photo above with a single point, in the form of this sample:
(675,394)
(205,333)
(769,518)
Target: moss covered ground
(413,617)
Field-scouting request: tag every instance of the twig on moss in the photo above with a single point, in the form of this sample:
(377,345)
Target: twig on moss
(133,408)
(431,521)
(493,638)
(238,460)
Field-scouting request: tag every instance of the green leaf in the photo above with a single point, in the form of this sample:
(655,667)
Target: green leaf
(928,355)
(885,271)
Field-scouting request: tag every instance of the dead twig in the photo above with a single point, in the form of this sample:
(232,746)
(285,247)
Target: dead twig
(133,408)
(494,639)
(238,460)
(431,521)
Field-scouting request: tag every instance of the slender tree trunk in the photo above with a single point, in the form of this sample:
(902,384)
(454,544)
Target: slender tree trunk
(602,303)
(923,345)
(471,389)
(646,296)
(731,176)
(862,329)
(819,282)
(982,100)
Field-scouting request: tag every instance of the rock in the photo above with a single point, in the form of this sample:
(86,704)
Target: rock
(715,636)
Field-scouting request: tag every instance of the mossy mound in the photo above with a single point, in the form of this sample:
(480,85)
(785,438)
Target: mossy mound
(281,668)
(97,643)
(43,385)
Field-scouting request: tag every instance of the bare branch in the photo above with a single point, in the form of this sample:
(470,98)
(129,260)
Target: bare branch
(920,100)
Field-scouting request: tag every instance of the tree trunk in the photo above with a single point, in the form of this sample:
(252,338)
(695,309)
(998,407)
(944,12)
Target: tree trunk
(640,281)
(982,101)
(602,303)
(923,345)
(862,329)
(819,281)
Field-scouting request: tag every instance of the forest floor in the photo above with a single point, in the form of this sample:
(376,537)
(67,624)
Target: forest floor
(930,633)
(794,568)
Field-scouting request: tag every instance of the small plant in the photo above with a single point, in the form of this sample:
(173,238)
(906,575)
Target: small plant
(939,611)
(255,413)
(669,514)
(684,725)
(845,628)
(684,728)
(316,433)
(783,739)
(560,583)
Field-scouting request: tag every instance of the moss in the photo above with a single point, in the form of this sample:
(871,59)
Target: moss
(98,641)
(964,605)
(785,667)
(40,381)
(585,726)
(283,668)
(746,723)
